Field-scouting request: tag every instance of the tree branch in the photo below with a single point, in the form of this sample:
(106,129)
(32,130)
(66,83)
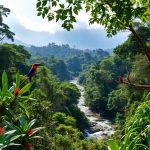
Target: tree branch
(140,86)
(2,38)
(140,41)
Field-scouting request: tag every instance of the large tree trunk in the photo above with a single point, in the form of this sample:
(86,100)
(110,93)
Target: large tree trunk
(141,42)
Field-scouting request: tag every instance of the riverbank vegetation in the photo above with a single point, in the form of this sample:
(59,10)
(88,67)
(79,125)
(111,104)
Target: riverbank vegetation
(107,91)
(43,113)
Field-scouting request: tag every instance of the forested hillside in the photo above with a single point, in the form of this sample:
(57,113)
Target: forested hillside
(65,62)
(118,87)
(61,51)
(39,105)
(53,49)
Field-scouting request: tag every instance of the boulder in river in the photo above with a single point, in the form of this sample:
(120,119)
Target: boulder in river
(96,129)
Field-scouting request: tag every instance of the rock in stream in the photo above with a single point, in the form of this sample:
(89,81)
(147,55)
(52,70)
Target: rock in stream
(99,128)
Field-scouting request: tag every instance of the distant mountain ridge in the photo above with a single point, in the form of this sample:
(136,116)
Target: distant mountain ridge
(17,42)
(52,49)
(63,59)
(62,51)
(110,51)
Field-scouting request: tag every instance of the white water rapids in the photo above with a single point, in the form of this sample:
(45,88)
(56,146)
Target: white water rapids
(99,128)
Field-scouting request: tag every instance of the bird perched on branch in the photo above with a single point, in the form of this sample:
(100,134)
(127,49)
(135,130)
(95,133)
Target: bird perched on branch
(33,69)
(120,79)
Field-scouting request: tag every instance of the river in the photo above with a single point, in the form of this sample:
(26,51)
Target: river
(99,127)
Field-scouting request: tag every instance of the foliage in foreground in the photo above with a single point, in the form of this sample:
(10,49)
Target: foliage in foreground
(137,134)
(15,130)
(61,131)
(18,133)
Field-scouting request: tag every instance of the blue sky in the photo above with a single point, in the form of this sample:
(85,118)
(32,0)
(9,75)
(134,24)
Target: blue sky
(34,30)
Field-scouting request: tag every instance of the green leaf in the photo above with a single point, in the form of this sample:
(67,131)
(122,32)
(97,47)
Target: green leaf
(39,9)
(75,11)
(131,145)
(57,19)
(50,16)
(113,145)
(61,5)
(2,146)
(37,129)
(25,88)
(144,146)
(22,120)
(14,144)
(0,92)
(32,99)
(87,8)
(25,126)
(148,139)
(126,138)
(10,132)
(54,3)
(17,80)
(10,125)
(31,123)
(24,108)
(11,89)
(16,137)
(44,3)
(38,4)
(43,14)
(46,10)
(4,83)
(37,137)
(39,14)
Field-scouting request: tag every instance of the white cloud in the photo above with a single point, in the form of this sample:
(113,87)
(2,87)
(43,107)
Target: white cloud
(83,21)
(50,27)
(25,12)
(95,26)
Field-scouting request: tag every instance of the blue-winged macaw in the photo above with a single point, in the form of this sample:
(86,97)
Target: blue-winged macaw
(33,69)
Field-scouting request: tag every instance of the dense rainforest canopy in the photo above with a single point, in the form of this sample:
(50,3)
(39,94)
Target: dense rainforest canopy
(65,62)
(43,113)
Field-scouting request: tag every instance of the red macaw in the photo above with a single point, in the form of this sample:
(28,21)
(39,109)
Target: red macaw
(33,69)
(120,79)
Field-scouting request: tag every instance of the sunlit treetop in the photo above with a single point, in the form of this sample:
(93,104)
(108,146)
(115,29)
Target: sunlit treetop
(114,15)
